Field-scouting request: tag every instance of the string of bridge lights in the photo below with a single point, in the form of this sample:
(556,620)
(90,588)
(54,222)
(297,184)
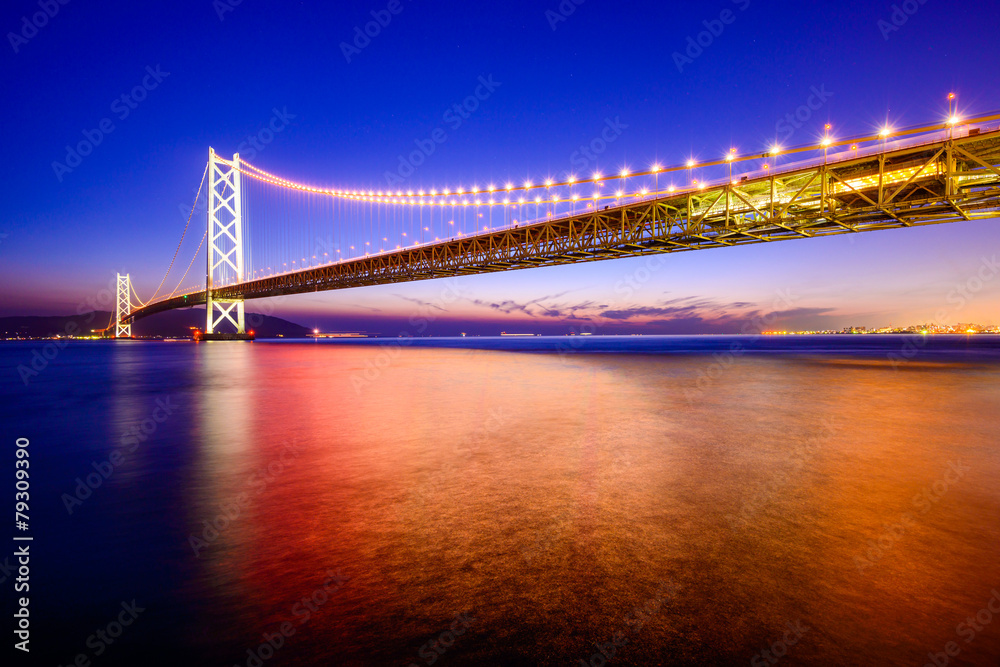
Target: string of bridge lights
(504,194)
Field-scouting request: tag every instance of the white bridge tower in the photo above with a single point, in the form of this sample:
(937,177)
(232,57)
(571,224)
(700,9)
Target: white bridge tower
(225,241)
(124,307)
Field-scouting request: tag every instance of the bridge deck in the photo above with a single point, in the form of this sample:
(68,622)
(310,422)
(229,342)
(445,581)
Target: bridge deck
(942,180)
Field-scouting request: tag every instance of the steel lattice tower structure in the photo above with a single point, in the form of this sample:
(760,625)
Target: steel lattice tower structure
(124,307)
(225,242)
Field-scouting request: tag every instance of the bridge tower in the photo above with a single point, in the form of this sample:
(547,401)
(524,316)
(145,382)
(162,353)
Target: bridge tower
(124,307)
(225,241)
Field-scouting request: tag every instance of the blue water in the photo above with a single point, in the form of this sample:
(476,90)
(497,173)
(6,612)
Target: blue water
(692,496)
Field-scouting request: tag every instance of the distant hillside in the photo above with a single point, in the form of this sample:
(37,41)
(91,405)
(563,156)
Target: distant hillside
(172,323)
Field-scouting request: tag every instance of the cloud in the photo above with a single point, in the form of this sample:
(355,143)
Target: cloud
(421,302)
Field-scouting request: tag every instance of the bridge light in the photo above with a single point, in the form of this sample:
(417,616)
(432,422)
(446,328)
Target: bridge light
(671,188)
(619,193)
(827,127)
(766,167)
(885,132)
(527,184)
(597,175)
(624,172)
(656,168)
(572,179)
(548,182)
(690,163)
(954,120)
(492,188)
(825,142)
(510,186)
(951,96)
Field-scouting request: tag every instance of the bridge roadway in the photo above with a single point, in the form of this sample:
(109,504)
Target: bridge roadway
(937,180)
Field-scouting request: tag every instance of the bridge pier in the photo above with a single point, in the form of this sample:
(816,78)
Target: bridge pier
(225,313)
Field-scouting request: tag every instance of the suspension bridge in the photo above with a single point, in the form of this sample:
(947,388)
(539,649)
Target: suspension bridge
(269,236)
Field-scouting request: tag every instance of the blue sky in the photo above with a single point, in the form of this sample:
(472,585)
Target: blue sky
(214,77)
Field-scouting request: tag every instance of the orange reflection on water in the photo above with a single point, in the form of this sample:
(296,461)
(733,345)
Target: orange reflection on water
(551,495)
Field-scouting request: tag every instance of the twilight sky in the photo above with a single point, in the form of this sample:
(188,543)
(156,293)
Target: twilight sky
(215,73)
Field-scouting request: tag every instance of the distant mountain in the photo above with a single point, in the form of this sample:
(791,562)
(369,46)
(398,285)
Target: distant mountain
(171,324)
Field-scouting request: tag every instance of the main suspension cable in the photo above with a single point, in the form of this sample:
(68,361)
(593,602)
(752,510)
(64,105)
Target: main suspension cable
(196,252)
(190,215)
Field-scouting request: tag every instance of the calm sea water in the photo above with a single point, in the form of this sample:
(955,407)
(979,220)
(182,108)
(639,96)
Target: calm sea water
(520,501)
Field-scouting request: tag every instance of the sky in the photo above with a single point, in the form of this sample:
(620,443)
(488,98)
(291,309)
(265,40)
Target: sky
(214,73)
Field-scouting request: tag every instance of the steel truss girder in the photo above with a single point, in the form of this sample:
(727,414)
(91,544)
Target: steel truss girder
(944,181)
